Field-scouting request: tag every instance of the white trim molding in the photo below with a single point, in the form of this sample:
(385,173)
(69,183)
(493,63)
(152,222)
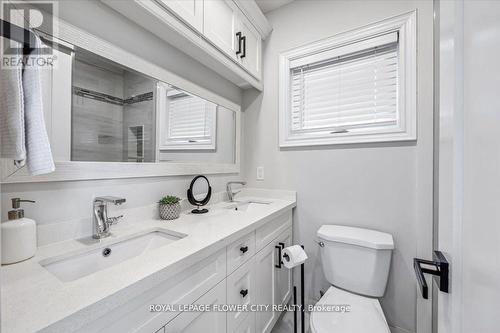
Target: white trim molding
(405,130)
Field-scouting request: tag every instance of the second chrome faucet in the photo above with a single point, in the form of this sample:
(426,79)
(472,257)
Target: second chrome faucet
(101,223)
(229,190)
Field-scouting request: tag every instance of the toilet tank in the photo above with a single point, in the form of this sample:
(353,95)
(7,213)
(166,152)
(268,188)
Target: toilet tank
(356,259)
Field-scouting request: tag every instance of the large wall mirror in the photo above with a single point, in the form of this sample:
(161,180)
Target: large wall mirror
(116,116)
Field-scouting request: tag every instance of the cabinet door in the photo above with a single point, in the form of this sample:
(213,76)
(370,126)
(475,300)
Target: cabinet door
(219,25)
(247,326)
(202,321)
(251,47)
(190,11)
(265,276)
(283,286)
(241,291)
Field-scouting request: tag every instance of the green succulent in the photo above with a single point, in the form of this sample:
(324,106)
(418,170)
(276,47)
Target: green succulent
(169,200)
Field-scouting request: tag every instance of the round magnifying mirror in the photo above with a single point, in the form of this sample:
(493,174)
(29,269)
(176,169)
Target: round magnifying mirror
(199,186)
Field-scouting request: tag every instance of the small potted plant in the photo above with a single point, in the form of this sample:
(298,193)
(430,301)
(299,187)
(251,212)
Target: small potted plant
(170,207)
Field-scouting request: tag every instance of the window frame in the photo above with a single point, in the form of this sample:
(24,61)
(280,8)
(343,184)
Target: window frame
(406,130)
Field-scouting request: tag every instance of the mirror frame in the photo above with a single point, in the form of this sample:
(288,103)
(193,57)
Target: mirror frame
(70,35)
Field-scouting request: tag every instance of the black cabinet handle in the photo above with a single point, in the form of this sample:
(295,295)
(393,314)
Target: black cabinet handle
(244,249)
(280,247)
(244,40)
(238,35)
(243,292)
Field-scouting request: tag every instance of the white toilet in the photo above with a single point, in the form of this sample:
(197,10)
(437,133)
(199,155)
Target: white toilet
(356,262)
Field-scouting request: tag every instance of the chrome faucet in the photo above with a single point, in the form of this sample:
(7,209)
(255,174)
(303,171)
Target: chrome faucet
(230,193)
(101,223)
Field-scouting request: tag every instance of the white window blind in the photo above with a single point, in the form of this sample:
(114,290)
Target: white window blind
(190,119)
(346,89)
(190,122)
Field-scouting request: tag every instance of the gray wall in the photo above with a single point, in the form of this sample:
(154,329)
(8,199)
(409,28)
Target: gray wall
(386,187)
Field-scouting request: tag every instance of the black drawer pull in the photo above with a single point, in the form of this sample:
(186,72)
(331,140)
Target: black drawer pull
(243,292)
(244,249)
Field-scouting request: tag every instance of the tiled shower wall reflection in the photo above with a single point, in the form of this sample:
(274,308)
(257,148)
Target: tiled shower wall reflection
(109,105)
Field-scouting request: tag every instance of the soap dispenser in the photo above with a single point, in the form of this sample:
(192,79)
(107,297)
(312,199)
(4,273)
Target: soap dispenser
(18,235)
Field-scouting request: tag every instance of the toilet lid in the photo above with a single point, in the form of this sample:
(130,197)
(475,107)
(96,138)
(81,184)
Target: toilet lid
(343,312)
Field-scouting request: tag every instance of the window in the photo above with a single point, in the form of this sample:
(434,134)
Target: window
(189,122)
(355,87)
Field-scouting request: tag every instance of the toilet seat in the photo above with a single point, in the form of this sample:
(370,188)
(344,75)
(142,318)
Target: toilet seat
(365,314)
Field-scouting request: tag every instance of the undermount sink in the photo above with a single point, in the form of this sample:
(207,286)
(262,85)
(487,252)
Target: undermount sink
(77,265)
(246,205)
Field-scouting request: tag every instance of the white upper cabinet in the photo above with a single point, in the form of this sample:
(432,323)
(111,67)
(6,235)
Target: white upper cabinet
(190,11)
(225,35)
(251,51)
(230,31)
(220,24)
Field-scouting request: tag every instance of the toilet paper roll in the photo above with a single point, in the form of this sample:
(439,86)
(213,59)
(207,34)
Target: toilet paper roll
(293,256)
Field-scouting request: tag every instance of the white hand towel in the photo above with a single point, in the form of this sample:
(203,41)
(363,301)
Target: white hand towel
(38,153)
(12,134)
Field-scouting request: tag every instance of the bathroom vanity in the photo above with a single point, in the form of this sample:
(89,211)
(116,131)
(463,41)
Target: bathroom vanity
(124,283)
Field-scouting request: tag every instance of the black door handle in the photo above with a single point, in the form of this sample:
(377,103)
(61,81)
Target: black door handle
(244,249)
(238,35)
(440,272)
(244,40)
(243,292)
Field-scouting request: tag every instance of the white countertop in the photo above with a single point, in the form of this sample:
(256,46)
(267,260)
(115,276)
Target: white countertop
(33,299)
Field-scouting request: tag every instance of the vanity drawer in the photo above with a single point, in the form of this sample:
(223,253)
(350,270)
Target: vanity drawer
(265,234)
(240,291)
(183,288)
(240,251)
(202,321)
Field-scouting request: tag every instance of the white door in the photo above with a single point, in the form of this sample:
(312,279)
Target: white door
(220,24)
(251,47)
(202,321)
(265,277)
(190,11)
(283,274)
(468,231)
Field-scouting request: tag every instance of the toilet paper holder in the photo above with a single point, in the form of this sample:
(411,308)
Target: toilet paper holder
(280,247)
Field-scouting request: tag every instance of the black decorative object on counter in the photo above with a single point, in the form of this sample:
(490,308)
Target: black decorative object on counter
(199,203)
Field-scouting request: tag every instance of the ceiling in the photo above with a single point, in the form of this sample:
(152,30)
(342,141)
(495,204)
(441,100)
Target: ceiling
(268,5)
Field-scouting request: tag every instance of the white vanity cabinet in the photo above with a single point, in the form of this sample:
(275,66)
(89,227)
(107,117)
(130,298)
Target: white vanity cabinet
(245,272)
(255,277)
